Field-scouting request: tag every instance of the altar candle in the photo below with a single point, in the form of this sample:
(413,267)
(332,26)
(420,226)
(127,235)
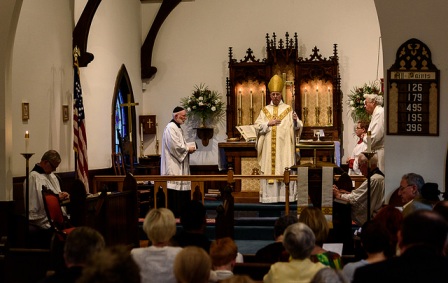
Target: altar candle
(27,141)
(262,99)
(251,104)
(141,132)
(329,99)
(317,97)
(369,141)
(241,98)
(306,95)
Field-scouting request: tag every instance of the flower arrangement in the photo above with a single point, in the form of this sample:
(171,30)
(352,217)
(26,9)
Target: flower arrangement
(204,104)
(356,100)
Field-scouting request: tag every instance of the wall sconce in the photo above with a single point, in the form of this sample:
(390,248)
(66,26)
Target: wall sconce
(25,111)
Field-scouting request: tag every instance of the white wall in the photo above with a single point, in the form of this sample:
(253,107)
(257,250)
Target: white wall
(427,22)
(192,48)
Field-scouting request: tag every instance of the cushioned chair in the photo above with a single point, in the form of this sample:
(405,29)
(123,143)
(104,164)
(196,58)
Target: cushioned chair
(59,224)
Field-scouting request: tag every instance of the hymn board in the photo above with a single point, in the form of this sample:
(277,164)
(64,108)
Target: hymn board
(413,92)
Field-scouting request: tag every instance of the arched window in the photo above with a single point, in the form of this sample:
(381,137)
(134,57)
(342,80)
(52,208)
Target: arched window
(123,122)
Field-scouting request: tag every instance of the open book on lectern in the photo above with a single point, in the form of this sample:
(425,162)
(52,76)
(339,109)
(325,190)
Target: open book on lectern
(248,132)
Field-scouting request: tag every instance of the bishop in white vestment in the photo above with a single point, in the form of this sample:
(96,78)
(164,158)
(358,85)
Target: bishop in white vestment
(175,160)
(276,143)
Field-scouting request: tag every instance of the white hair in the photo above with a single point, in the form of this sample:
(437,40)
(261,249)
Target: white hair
(377,99)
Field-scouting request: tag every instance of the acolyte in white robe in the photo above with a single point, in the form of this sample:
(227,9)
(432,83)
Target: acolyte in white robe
(175,158)
(376,127)
(276,150)
(37,215)
(357,150)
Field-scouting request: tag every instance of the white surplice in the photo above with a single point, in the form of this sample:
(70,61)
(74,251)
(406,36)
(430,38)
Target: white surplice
(376,128)
(37,215)
(175,158)
(276,150)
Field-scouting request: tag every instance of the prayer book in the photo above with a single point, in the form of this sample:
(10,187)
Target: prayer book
(248,132)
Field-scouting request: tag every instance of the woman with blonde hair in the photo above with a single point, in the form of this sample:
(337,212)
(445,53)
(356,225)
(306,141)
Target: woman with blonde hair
(156,261)
(192,265)
(315,219)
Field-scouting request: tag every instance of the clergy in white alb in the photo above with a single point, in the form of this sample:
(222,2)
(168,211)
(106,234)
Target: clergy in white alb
(175,160)
(373,104)
(275,145)
(42,175)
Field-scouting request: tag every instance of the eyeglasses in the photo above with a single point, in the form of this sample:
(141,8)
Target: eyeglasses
(402,188)
(276,94)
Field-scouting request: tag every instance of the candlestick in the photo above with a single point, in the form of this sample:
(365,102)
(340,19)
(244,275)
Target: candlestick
(27,141)
(241,98)
(317,97)
(262,99)
(141,132)
(369,141)
(306,94)
(251,104)
(329,99)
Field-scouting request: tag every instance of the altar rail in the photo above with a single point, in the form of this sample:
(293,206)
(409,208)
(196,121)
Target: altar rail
(197,182)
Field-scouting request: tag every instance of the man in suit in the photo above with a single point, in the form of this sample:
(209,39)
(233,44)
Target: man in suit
(421,242)
(410,192)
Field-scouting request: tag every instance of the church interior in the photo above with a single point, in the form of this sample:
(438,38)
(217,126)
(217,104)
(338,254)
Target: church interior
(140,59)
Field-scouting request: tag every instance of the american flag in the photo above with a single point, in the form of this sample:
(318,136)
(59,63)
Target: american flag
(79,128)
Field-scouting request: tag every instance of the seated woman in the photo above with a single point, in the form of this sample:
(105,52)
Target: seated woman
(299,241)
(315,219)
(156,261)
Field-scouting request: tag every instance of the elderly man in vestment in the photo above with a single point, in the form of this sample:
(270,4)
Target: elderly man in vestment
(175,160)
(275,128)
(373,105)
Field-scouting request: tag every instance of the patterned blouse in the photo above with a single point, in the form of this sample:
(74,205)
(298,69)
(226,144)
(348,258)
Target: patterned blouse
(328,258)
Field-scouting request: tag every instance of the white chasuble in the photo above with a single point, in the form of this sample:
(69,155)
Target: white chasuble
(175,158)
(276,151)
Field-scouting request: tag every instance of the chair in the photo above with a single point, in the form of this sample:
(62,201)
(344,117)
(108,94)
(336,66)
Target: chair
(118,163)
(59,224)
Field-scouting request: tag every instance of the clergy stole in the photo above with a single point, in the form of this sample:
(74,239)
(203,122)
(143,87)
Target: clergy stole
(327,192)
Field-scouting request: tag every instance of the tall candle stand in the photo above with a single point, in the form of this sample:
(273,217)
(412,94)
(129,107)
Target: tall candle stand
(305,116)
(240,116)
(251,115)
(329,113)
(141,149)
(369,155)
(27,193)
(317,113)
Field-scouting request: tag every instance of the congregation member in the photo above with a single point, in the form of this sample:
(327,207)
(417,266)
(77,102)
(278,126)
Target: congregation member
(358,197)
(275,252)
(42,175)
(156,261)
(175,160)
(192,265)
(375,242)
(373,104)
(352,160)
(80,245)
(275,126)
(223,253)
(410,193)
(111,265)
(299,241)
(421,240)
(194,224)
(329,275)
(315,219)
(391,218)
